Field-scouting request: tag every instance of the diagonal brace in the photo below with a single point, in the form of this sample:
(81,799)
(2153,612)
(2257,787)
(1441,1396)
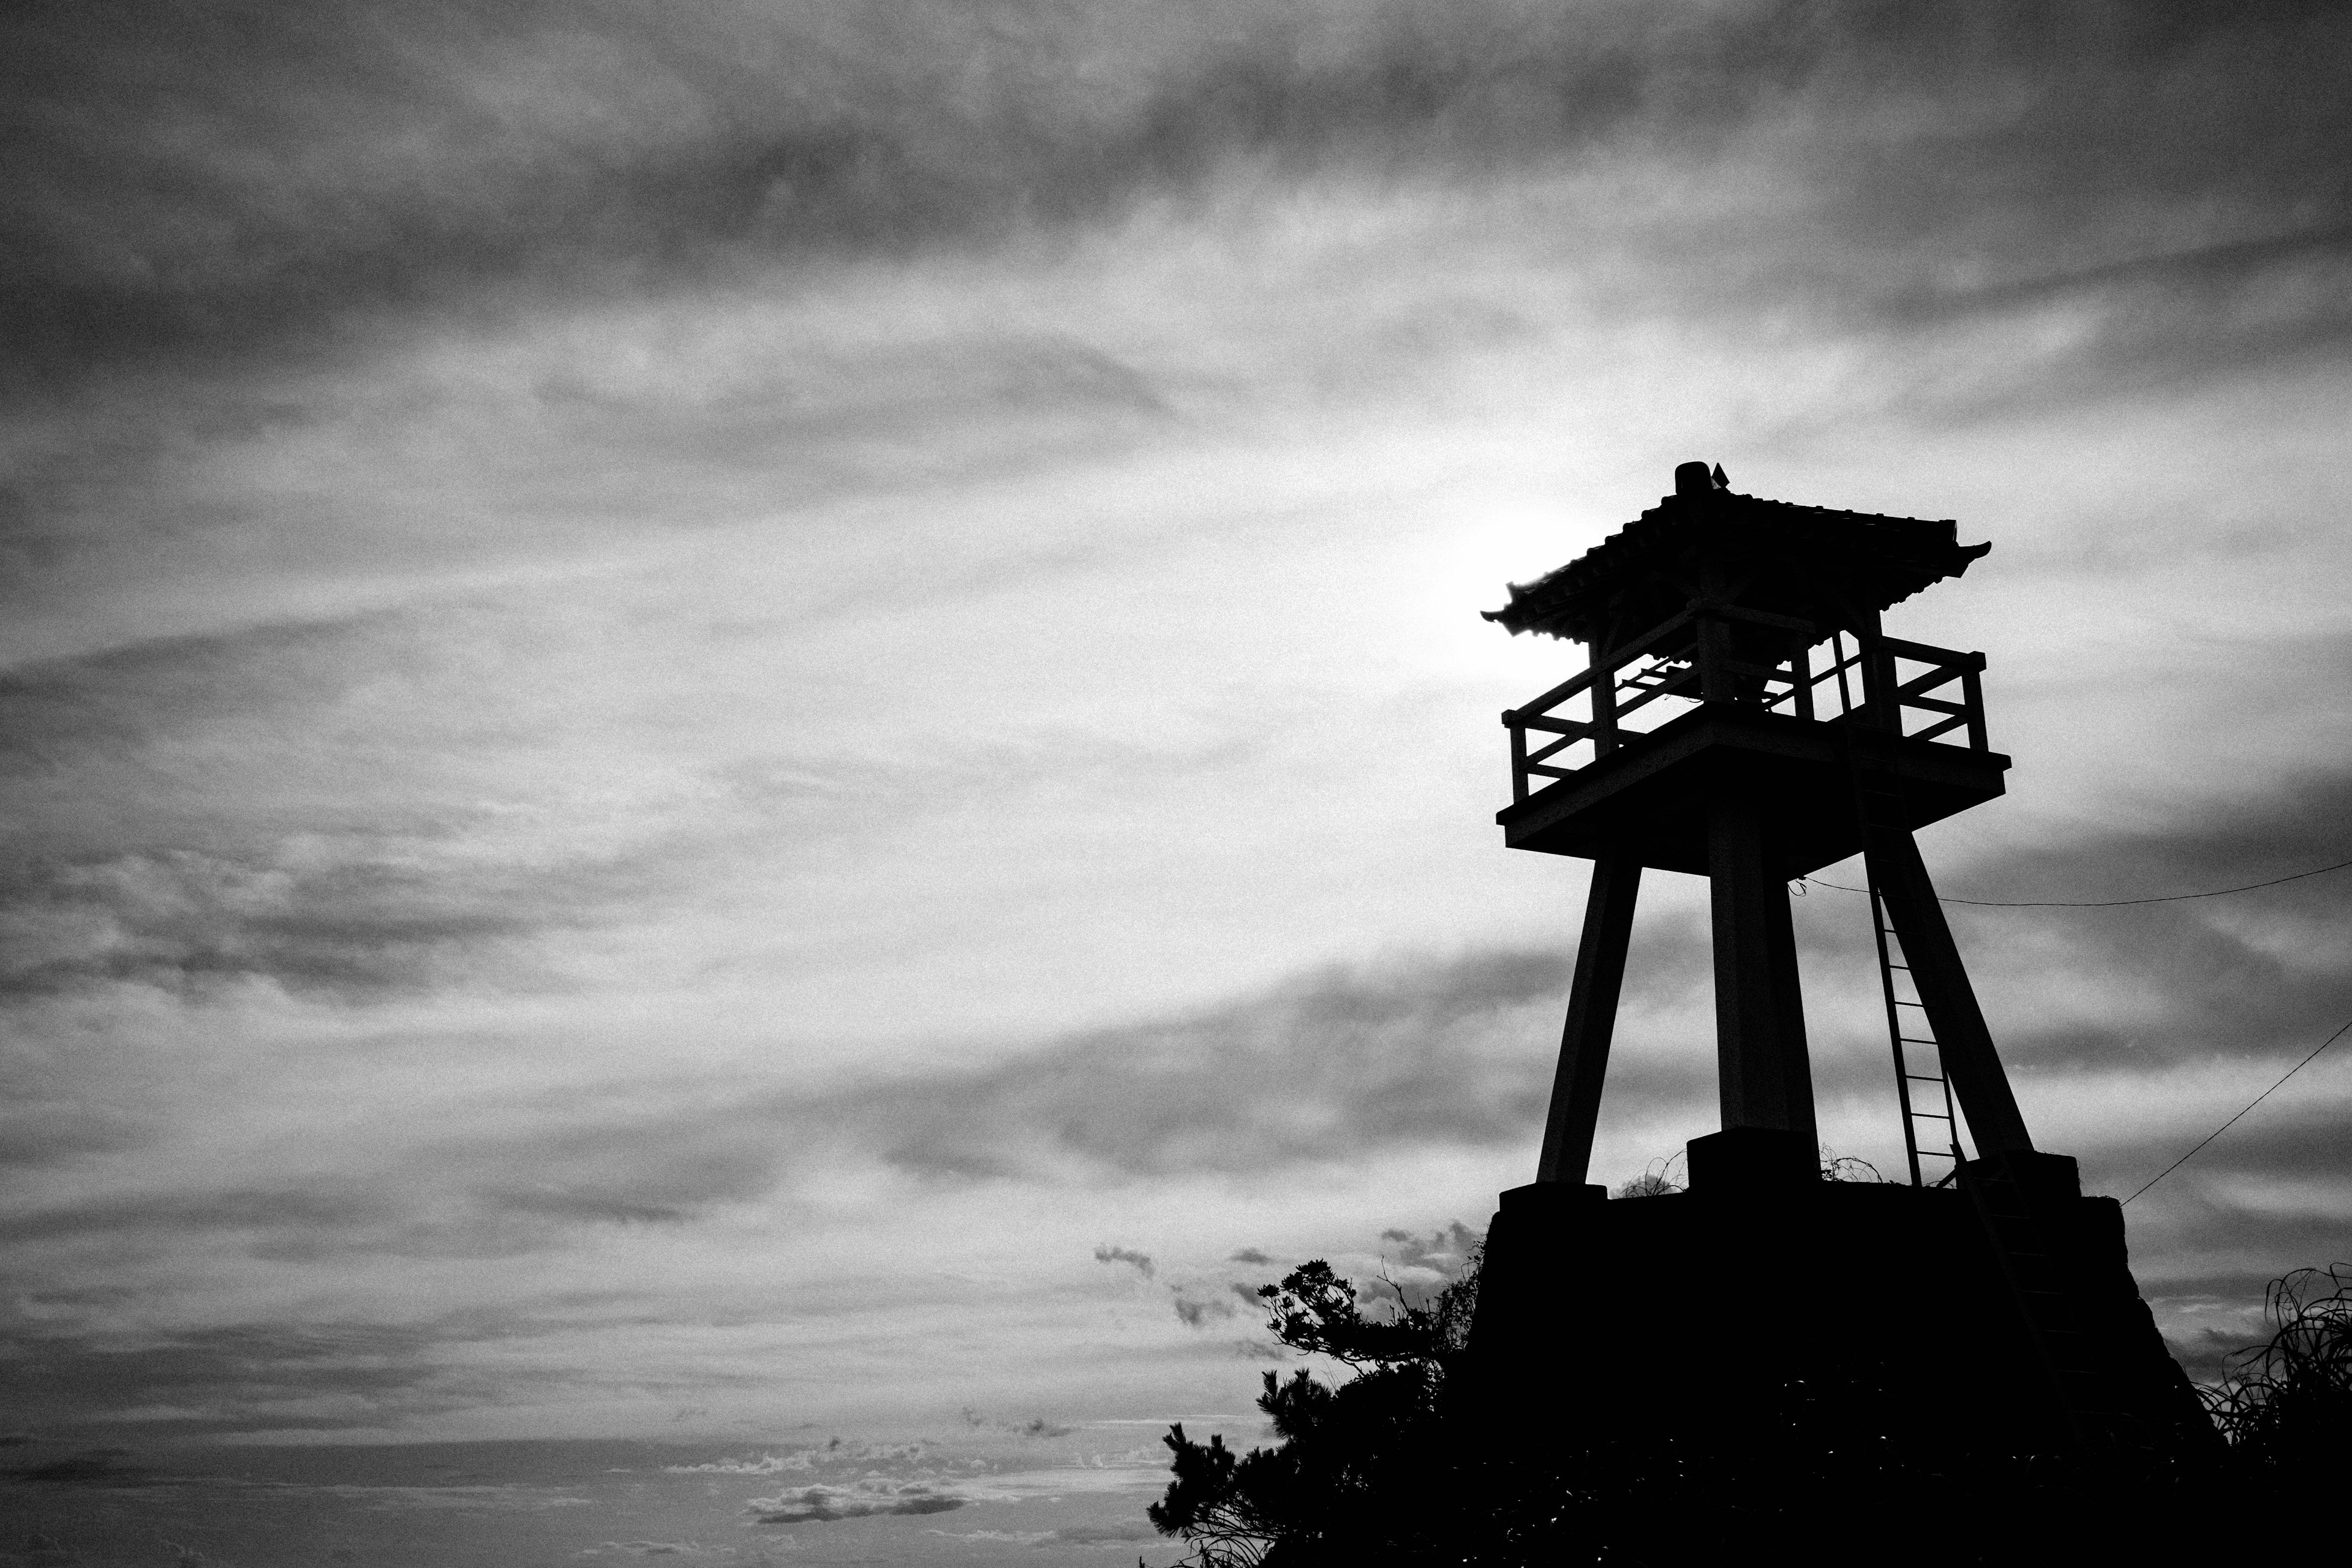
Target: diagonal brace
(1591,1020)
(1970,1064)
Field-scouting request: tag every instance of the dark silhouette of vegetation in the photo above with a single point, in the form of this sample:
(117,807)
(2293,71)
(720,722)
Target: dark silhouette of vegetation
(1849,1168)
(1381,1466)
(2285,1406)
(1664,1177)
(1657,1179)
(1349,1481)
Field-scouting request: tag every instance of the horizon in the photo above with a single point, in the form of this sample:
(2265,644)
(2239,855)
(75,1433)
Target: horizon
(737,726)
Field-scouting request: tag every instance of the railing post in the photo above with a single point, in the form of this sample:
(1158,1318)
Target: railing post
(1972,698)
(1714,653)
(1603,693)
(1878,681)
(1518,759)
(1800,671)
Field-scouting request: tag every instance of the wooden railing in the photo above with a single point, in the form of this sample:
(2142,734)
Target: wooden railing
(1709,653)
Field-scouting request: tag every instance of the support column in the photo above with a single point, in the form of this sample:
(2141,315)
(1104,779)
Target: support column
(1761,1066)
(1591,1020)
(1962,1039)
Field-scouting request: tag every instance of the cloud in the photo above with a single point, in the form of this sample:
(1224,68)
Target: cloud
(2152,986)
(562,150)
(1196,1311)
(189,922)
(295,1376)
(1446,1252)
(1325,1068)
(1342,1065)
(765,1464)
(650,646)
(90,1467)
(1035,1426)
(1105,1534)
(869,1498)
(589,149)
(1410,1269)
(646,1548)
(1142,1260)
(298,844)
(248,1210)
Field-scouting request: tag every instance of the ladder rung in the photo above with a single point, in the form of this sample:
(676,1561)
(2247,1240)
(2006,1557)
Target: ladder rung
(1880,805)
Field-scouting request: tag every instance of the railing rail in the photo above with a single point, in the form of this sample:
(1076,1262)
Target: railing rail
(1714,652)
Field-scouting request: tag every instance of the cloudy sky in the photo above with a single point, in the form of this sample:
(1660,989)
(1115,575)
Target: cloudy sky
(709,707)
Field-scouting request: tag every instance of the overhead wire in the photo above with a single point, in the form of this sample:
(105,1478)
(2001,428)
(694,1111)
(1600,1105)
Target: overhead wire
(2099,904)
(2265,1094)
(2166,899)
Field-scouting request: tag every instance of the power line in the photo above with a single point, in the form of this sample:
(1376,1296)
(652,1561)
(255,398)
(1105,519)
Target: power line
(2167,898)
(2098,903)
(2250,1105)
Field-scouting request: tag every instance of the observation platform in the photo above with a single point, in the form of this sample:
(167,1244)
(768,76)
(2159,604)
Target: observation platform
(1885,730)
(1648,797)
(1725,606)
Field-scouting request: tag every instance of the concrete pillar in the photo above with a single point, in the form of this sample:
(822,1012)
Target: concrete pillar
(1763,1072)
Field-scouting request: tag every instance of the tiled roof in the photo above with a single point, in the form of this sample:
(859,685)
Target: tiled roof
(1812,562)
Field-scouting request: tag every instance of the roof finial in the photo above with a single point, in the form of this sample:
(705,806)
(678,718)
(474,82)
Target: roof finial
(1721,483)
(1692,480)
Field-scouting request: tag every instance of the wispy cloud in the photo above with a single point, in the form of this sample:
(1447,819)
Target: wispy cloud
(1140,1260)
(862,1498)
(689,694)
(572,143)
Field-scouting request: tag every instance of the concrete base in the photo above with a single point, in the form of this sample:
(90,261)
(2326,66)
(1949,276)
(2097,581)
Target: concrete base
(1702,1310)
(1747,1159)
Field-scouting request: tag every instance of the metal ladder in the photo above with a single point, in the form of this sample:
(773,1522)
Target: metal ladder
(1878,801)
(1931,1102)
(2026,1237)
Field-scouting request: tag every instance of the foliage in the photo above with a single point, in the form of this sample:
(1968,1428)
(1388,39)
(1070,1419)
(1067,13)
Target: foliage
(1319,1313)
(1848,1168)
(1353,1455)
(2287,1405)
(1210,1505)
(1657,1179)
(1661,1177)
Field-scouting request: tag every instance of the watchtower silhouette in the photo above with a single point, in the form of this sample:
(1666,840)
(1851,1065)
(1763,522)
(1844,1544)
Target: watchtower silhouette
(1746,718)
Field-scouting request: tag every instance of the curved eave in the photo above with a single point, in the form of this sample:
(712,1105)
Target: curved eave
(1566,601)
